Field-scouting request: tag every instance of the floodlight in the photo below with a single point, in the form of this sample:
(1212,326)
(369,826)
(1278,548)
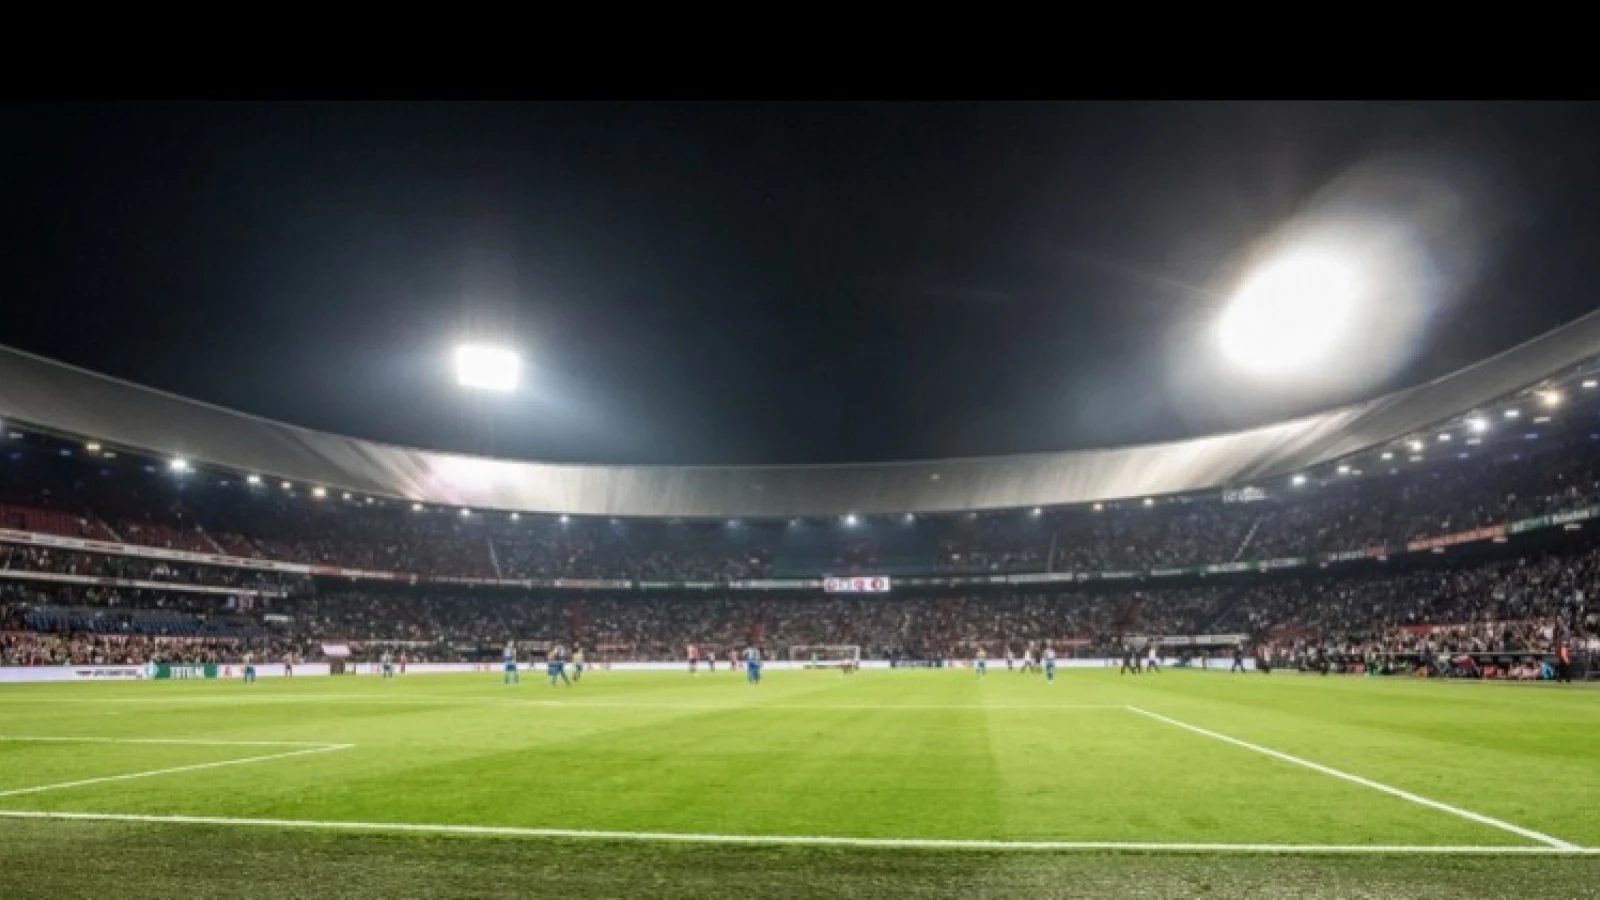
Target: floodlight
(92,447)
(416,507)
(319,492)
(1478,424)
(487,368)
(1037,511)
(1512,413)
(1590,384)
(1298,480)
(253,479)
(178,464)
(851,520)
(516,516)
(1289,315)
(1550,398)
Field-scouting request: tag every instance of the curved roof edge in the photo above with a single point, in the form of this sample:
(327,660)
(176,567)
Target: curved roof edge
(68,400)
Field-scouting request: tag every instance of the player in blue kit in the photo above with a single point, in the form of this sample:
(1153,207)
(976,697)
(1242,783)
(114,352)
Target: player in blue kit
(558,665)
(1049,664)
(982,663)
(752,666)
(512,676)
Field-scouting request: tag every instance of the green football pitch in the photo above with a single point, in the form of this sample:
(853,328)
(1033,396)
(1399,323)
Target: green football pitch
(901,783)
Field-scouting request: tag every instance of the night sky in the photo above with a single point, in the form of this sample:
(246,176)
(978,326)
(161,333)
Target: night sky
(757,283)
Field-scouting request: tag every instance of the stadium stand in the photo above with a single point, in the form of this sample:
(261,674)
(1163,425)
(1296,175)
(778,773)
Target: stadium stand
(1457,536)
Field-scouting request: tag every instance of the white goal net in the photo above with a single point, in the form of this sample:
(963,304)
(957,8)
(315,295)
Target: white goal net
(826,656)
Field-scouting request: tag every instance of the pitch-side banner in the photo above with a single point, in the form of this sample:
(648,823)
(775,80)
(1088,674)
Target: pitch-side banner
(865,585)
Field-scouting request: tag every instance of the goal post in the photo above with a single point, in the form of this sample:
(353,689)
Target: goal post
(826,656)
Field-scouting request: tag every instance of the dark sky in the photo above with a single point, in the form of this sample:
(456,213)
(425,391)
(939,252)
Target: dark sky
(750,283)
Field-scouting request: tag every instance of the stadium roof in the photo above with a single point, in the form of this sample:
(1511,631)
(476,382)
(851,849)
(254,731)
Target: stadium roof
(66,400)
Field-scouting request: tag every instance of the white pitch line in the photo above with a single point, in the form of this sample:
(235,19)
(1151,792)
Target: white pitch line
(1467,814)
(17,792)
(810,840)
(571,704)
(181,742)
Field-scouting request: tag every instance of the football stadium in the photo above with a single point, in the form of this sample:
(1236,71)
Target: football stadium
(1340,645)
(1352,653)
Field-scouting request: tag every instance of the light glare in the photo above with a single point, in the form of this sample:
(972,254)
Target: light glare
(487,368)
(1289,315)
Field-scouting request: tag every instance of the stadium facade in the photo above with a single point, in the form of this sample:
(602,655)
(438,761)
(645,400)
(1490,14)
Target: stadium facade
(67,401)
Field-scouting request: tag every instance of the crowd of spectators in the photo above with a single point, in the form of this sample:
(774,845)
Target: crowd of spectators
(1525,603)
(203,513)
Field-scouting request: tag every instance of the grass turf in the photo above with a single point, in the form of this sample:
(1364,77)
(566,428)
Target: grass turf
(884,755)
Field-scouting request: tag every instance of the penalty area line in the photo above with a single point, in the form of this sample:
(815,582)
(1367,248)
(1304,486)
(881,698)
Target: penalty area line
(808,840)
(179,742)
(171,770)
(1530,834)
(448,700)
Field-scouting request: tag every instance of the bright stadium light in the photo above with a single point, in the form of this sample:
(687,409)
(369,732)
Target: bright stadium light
(1550,398)
(1289,315)
(252,479)
(487,368)
(1478,424)
(178,464)
(319,492)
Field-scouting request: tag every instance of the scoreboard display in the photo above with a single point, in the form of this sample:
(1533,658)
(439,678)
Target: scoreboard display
(860,585)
